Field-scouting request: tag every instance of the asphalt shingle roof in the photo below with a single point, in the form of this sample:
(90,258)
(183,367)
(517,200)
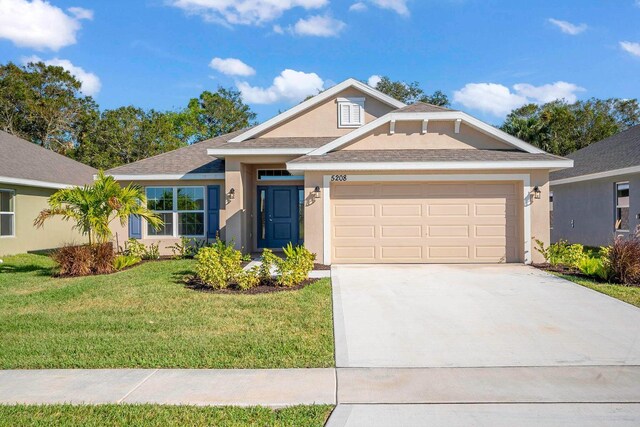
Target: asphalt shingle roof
(25,160)
(616,152)
(433,155)
(422,107)
(190,159)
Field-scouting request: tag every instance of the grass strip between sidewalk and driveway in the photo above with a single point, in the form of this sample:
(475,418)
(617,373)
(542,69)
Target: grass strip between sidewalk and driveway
(160,415)
(144,317)
(629,294)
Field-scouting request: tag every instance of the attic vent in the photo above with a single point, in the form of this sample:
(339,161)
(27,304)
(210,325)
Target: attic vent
(350,112)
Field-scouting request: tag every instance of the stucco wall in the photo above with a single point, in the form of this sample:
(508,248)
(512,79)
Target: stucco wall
(440,135)
(28,204)
(591,207)
(314,212)
(322,120)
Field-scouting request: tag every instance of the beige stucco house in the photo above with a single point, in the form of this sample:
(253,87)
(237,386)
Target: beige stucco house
(29,174)
(358,177)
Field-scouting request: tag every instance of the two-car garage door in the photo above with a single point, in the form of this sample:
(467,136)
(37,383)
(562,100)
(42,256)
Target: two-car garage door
(449,222)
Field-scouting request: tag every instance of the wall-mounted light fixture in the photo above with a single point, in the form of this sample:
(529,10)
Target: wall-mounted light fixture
(316,192)
(232,193)
(536,192)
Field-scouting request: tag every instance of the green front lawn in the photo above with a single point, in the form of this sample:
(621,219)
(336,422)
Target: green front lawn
(630,294)
(145,318)
(160,416)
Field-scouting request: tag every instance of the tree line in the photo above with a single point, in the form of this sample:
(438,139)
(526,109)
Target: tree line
(44,104)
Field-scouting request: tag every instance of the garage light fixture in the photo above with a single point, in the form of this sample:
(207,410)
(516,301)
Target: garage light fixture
(316,192)
(536,192)
(232,193)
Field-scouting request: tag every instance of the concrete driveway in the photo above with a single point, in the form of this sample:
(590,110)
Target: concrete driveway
(476,316)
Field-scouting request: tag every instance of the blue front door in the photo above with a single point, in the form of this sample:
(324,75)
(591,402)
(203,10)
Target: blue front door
(279,215)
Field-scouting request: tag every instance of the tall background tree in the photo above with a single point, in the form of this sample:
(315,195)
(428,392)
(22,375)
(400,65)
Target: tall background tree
(44,104)
(410,93)
(562,128)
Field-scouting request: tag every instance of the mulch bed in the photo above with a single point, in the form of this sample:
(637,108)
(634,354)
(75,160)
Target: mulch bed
(563,269)
(321,266)
(195,284)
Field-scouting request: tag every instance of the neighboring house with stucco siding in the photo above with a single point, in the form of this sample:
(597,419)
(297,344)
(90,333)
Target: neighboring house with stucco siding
(29,174)
(358,177)
(599,198)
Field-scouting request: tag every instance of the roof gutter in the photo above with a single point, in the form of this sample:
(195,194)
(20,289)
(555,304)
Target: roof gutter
(165,177)
(34,183)
(598,175)
(222,152)
(439,166)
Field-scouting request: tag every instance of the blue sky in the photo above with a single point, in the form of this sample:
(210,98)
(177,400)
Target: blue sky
(487,56)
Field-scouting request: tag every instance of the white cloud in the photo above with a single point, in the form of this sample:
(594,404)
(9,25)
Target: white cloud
(81,13)
(398,6)
(290,85)
(38,24)
(499,100)
(567,27)
(374,80)
(631,47)
(90,82)
(318,26)
(359,7)
(549,92)
(247,12)
(231,67)
(278,29)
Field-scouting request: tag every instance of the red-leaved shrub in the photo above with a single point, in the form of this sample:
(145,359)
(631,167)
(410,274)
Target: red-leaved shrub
(84,260)
(624,260)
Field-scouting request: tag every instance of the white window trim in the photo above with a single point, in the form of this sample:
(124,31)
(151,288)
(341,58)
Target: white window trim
(615,212)
(175,215)
(526,200)
(13,213)
(351,102)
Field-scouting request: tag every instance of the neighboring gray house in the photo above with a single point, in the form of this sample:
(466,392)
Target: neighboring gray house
(600,196)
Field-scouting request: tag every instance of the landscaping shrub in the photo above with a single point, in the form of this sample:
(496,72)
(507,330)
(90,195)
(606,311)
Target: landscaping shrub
(623,258)
(138,249)
(269,261)
(594,266)
(186,247)
(295,268)
(84,260)
(121,262)
(219,265)
(247,279)
(561,253)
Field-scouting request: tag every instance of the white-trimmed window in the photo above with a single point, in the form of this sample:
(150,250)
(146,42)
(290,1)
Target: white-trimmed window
(622,206)
(182,209)
(7,213)
(551,209)
(350,112)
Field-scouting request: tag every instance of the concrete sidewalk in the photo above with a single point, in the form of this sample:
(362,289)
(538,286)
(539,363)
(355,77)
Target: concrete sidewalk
(240,387)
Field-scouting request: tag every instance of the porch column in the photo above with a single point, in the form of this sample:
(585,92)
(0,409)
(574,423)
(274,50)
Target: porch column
(235,205)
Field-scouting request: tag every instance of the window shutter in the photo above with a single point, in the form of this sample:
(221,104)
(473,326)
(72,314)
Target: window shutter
(135,227)
(355,114)
(213,211)
(345,116)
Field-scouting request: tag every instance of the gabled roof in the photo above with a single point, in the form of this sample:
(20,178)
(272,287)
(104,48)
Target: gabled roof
(616,155)
(432,159)
(311,102)
(25,163)
(422,107)
(448,115)
(192,161)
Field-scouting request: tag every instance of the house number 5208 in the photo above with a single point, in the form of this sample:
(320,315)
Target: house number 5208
(338,177)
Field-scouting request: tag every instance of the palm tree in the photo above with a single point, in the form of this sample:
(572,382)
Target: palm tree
(94,207)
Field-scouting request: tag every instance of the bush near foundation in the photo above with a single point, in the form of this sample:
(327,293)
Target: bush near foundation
(84,260)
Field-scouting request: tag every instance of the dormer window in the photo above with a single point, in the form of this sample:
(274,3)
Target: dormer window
(350,112)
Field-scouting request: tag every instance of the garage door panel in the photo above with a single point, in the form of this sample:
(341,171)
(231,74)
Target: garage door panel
(400,210)
(426,222)
(401,231)
(353,231)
